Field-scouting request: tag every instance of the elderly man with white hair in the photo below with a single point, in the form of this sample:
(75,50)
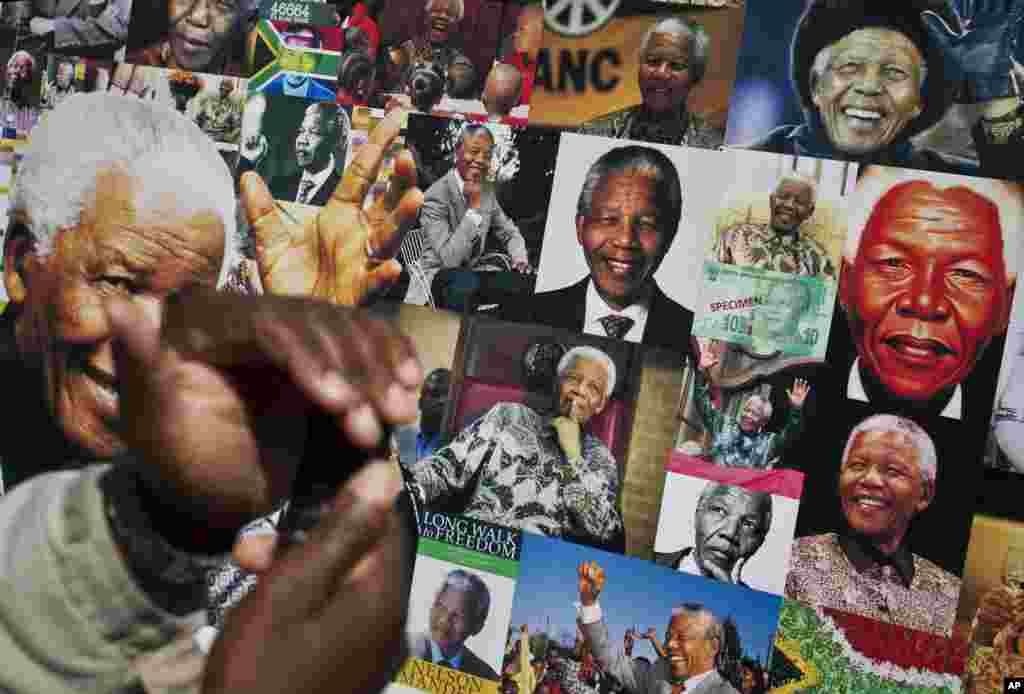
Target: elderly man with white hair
(886,478)
(536,471)
(672,60)
(929,272)
(437,45)
(741,441)
(152,428)
(779,245)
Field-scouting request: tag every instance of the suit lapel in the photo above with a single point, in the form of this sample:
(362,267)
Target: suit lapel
(458,199)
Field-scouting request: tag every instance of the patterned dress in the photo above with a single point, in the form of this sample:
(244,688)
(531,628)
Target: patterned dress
(821,574)
(520,478)
(756,245)
(630,124)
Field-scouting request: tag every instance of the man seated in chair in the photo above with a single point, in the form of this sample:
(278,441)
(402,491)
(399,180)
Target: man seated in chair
(536,471)
(458,215)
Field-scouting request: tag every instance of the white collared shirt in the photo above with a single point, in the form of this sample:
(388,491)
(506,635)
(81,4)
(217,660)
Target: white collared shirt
(596,309)
(318,180)
(692,682)
(302,91)
(855,391)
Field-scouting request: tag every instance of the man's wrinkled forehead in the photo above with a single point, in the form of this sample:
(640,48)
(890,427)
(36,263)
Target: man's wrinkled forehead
(956,210)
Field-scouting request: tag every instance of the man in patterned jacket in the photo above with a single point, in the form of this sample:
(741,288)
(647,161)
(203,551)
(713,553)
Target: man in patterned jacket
(886,478)
(524,469)
(779,245)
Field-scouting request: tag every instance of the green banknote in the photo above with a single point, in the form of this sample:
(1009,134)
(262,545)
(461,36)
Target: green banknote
(765,310)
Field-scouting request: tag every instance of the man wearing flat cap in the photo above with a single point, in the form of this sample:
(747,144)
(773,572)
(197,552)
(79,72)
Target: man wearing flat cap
(872,74)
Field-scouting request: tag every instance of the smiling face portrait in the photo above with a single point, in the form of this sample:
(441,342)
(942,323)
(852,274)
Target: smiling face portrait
(883,482)
(928,288)
(692,643)
(473,155)
(867,88)
(792,203)
(626,219)
(137,236)
(730,525)
(665,77)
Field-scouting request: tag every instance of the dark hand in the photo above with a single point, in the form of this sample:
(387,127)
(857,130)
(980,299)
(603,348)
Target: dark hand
(220,395)
(983,51)
(345,254)
(303,608)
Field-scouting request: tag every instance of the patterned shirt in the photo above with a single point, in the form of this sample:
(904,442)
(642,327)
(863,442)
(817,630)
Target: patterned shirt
(630,124)
(756,245)
(567,672)
(521,478)
(733,447)
(820,573)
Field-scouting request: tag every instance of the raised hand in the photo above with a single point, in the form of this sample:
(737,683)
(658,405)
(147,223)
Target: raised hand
(570,436)
(651,634)
(798,393)
(708,357)
(591,581)
(982,52)
(220,394)
(345,254)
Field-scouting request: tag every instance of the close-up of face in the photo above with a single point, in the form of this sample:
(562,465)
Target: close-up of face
(928,288)
(665,72)
(689,650)
(792,203)
(881,487)
(312,143)
(473,157)
(870,90)
(778,317)
(65,72)
(729,526)
(583,390)
(116,250)
(442,19)
(752,415)
(452,619)
(201,31)
(529,30)
(19,70)
(623,237)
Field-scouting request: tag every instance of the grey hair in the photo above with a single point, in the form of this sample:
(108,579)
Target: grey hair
(794,177)
(913,434)
(694,33)
(594,354)
(462,581)
(714,629)
(472,130)
(765,407)
(460,8)
(28,55)
(764,499)
(154,145)
(641,161)
(327,114)
(823,61)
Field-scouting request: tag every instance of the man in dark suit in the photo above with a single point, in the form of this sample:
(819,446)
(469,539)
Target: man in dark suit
(626,217)
(315,143)
(459,611)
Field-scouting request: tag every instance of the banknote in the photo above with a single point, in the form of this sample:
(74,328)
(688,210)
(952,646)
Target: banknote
(764,310)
